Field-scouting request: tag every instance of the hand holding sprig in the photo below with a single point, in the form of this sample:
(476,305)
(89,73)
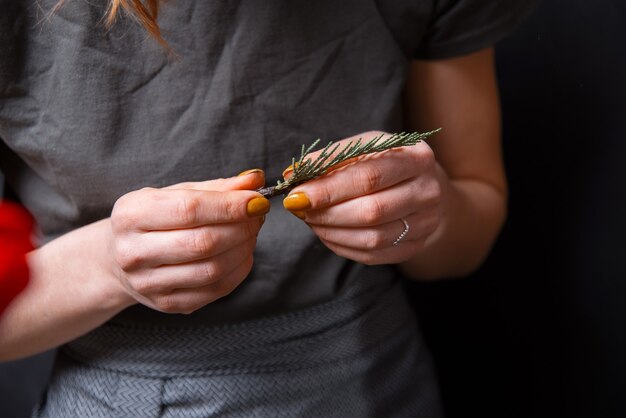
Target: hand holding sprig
(334,155)
(178,248)
(357,209)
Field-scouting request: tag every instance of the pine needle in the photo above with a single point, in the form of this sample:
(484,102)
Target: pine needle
(306,169)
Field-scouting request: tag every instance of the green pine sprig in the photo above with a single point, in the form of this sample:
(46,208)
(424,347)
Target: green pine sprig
(306,169)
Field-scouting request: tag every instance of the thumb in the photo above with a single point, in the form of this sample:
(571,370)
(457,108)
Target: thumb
(246,180)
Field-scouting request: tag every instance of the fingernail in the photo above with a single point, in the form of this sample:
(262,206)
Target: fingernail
(288,170)
(253,170)
(262,220)
(258,206)
(299,213)
(297,201)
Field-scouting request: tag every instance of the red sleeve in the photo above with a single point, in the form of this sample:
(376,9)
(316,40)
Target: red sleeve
(16,227)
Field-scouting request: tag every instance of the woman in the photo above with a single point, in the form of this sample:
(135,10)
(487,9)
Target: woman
(111,140)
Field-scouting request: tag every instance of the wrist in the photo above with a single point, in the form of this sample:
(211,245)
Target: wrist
(79,261)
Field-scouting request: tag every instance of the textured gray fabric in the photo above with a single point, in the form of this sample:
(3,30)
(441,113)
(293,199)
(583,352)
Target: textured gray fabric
(88,114)
(359,356)
(458,25)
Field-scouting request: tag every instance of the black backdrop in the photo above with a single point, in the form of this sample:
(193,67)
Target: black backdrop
(540,330)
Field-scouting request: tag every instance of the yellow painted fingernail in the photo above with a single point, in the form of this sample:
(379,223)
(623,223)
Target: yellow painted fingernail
(288,170)
(299,213)
(258,206)
(297,201)
(253,170)
(262,220)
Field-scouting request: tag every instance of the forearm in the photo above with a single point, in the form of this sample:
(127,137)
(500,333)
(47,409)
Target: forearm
(173,249)
(461,96)
(472,214)
(69,293)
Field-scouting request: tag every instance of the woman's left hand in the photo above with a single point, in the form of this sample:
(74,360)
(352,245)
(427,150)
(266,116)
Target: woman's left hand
(357,210)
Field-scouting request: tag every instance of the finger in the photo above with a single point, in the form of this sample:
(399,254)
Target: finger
(196,274)
(156,248)
(388,205)
(158,209)
(187,300)
(246,180)
(421,226)
(390,255)
(370,174)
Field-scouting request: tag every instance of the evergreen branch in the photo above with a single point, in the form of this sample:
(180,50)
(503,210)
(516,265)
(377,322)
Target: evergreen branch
(306,169)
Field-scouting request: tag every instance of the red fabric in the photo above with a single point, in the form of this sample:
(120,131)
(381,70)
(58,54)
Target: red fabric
(16,227)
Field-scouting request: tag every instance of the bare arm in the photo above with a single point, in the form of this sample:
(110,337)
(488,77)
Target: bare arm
(451,191)
(173,249)
(461,96)
(68,294)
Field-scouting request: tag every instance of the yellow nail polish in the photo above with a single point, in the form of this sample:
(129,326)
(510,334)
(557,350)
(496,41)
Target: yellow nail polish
(262,220)
(297,201)
(258,206)
(289,169)
(253,170)
(299,213)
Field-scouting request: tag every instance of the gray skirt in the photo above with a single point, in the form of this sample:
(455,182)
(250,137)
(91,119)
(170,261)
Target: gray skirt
(358,356)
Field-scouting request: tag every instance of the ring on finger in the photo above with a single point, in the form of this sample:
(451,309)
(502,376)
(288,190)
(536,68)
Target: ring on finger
(403,233)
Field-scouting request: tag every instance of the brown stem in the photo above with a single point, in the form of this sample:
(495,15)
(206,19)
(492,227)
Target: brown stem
(269,192)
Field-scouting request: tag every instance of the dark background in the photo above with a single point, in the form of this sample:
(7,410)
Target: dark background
(540,329)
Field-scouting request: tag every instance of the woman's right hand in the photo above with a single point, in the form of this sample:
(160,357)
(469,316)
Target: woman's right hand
(174,249)
(179,248)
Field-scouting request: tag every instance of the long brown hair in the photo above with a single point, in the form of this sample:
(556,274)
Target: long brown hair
(145,12)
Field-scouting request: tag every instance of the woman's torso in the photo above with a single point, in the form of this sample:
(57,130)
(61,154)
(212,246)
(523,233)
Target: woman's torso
(88,114)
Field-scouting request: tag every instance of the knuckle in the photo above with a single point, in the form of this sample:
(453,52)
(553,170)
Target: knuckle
(324,195)
(231,207)
(200,242)
(374,240)
(432,193)
(369,179)
(424,155)
(168,304)
(372,211)
(209,271)
(252,229)
(128,256)
(426,192)
(227,206)
(186,210)
(143,287)
(125,213)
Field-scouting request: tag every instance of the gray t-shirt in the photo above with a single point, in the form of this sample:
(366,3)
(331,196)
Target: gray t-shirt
(88,114)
